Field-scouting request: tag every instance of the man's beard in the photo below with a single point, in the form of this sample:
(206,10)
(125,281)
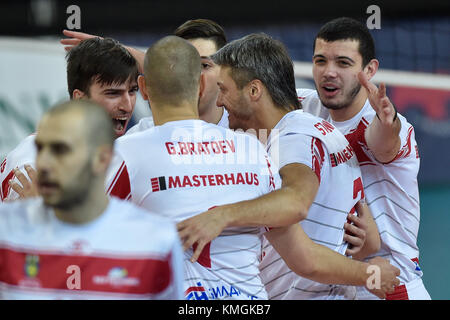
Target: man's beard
(78,193)
(350,97)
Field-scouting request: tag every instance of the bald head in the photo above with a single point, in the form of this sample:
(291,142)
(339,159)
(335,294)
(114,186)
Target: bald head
(172,69)
(86,119)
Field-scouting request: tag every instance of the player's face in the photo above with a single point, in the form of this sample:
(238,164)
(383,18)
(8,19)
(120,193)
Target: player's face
(118,99)
(335,68)
(63,162)
(210,71)
(233,100)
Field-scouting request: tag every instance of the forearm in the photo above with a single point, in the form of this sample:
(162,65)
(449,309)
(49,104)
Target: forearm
(316,262)
(139,56)
(276,209)
(383,139)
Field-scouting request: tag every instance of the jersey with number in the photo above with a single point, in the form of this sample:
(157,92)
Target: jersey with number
(305,139)
(24,153)
(391,189)
(183,168)
(147,123)
(125,253)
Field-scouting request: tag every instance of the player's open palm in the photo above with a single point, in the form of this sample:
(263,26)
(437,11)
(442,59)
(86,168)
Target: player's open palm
(378,99)
(200,230)
(75,38)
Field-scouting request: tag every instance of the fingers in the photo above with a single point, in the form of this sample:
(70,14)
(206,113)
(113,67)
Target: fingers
(198,250)
(31,172)
(21,177)
(16,187)
(382,90)
(70,42)
(370,87)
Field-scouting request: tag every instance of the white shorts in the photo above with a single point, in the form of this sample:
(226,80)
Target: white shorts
(413,290)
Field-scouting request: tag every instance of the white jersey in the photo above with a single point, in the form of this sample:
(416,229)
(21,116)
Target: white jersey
(391,189)
(24,153)
(126,253)
(183,168)
(147,123)
(312,141)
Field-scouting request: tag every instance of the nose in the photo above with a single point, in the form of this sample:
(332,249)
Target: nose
(44,161)
(330,70)
(127,102)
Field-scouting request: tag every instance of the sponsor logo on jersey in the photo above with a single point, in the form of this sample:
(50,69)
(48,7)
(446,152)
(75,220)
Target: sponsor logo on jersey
(116,277)
(206,180)
(31,270)
(416,263)
(199,292)
(196,293)
(31,266)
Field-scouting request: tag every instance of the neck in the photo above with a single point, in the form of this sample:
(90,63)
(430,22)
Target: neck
(163,113)
(267,119)
(85,211)
(352,109)
(212,115)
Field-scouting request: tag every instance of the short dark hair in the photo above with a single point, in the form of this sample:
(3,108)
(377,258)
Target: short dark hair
(345,28)
(204,29)
(103,60)
(258,56)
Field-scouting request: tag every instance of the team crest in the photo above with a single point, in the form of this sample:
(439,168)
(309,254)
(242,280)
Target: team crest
(31,265)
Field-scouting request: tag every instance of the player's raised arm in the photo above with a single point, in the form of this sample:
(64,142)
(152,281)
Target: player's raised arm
(382,135)
(75,37)
(321,264)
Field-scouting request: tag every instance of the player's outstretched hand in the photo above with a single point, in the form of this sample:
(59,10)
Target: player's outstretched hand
(378,100)
(26,188)
(383,278)
(200,230)
(356,229)
(75,38)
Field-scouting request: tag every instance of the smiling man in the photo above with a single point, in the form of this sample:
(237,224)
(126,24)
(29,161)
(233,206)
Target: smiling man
(98,69)
(384,142)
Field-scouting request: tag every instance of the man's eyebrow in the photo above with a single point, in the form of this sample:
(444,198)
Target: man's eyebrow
(205,57)
(318,56)
(346,58)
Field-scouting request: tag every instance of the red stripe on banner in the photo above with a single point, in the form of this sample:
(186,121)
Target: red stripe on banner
(400,293)
(122,188)
(118,275)
(5,185)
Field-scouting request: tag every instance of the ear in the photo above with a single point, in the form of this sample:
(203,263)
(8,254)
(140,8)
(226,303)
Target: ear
(202,82)
(102,159)
(255,89)
(371,68)
(142,87)
(78,94)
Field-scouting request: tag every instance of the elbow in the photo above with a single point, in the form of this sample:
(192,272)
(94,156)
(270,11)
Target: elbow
(298,211)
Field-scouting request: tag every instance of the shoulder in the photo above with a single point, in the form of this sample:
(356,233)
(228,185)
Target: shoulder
(143,221)
(143,124)
(21,212)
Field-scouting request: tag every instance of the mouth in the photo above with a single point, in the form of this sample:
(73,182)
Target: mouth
(120,124)
(330,90)
(47,188)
